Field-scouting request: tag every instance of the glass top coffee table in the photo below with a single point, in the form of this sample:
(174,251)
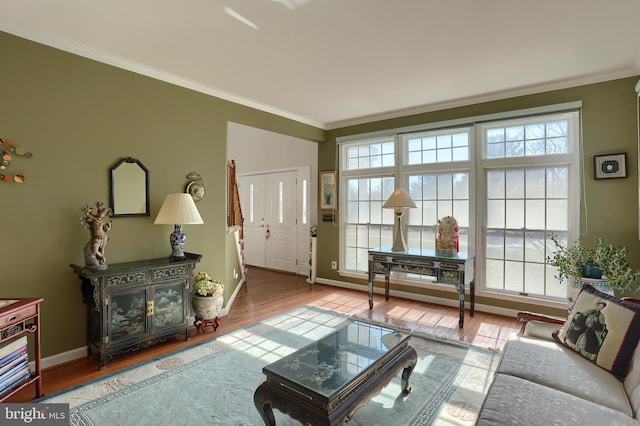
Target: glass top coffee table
(325,382)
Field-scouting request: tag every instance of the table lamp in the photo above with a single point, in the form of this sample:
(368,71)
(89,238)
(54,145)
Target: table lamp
(399,201)
(178,210)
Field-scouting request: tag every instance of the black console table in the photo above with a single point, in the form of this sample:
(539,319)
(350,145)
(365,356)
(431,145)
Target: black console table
(136,304)
(457,269)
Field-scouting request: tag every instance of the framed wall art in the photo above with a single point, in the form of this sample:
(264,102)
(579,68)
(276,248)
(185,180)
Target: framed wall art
(610,166)
(328,196)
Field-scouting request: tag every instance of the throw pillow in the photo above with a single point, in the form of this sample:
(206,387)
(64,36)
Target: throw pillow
(603,329)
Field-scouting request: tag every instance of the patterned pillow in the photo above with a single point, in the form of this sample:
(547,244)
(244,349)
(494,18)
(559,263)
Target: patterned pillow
(603,329)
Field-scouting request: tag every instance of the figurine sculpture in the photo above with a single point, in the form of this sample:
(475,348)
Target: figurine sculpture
(447,241)
(97,220)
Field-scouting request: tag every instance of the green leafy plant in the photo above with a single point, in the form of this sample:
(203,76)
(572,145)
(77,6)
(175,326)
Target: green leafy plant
(612,261)
(206,286)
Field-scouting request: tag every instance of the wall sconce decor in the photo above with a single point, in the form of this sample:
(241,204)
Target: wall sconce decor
(195,187)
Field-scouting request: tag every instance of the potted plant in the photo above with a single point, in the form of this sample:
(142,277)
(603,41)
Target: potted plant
(207,298)
(603,265)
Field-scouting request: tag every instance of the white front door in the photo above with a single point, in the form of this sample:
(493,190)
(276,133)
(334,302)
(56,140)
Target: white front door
(269,207)
(281,221)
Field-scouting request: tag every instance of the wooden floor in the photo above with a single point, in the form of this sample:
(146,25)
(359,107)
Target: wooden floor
(268,293)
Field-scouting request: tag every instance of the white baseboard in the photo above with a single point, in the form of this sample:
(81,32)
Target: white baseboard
(61,358)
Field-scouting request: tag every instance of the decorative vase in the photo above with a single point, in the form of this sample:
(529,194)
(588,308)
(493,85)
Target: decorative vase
(575,285)
(591,270)
(207,307)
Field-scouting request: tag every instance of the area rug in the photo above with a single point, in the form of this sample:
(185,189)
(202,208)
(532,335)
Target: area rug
(213,383)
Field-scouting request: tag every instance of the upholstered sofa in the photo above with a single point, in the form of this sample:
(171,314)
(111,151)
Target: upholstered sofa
(542,381)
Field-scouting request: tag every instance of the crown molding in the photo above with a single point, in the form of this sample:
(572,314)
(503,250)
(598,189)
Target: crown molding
(118,62)
(489,97)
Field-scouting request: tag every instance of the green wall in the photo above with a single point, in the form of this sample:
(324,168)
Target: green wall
(79,117)
(610,207)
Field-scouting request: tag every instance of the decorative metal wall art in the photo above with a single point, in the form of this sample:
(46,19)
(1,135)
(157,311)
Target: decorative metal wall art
(8,150)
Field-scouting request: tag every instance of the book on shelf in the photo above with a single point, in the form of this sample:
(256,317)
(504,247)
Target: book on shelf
(11,357)
(14,380)
(11,347)
(22,358)
(11,374)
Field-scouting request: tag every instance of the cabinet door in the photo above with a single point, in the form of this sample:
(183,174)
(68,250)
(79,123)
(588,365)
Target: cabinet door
(127,315)
(169,305)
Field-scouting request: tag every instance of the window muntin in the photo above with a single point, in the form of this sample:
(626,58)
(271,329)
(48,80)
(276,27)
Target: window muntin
(536,137)
(524,206)
(367,224)
(438,195)
(437,147)
(369,155)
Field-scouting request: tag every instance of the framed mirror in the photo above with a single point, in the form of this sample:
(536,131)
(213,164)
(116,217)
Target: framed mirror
(129,188)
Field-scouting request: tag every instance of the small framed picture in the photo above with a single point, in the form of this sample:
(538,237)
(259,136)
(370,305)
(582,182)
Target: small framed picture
(610,166)
(328,191)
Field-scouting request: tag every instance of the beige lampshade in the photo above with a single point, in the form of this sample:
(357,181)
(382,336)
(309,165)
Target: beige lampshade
(399,199)
(178,209)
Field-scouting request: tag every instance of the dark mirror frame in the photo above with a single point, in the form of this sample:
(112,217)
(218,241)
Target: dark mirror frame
(114,187)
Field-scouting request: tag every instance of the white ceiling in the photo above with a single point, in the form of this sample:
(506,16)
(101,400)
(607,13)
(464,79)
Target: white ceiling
(331,63)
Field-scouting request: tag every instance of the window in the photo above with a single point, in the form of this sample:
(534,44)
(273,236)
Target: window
(529,175)
(437,170)
(510,184)
(368,178)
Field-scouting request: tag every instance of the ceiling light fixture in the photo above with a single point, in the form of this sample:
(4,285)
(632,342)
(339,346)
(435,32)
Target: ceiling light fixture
(236,15)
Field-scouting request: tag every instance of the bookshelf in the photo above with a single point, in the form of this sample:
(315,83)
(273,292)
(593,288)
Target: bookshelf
(19,317)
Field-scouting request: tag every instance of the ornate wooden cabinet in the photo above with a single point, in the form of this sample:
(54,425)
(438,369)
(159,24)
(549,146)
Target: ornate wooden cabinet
(136,304)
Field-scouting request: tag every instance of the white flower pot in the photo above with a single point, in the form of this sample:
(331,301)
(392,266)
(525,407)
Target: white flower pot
(206,307)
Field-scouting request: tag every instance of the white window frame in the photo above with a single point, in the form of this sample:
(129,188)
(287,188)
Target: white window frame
(476,174)
(570,159)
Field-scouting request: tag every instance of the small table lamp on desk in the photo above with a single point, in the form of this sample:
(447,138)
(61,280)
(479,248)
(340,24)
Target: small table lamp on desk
(399,201)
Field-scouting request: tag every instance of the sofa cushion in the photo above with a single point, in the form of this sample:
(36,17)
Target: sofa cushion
(540,329)
(632,383)
(550,364)
(603,329)
(512,400)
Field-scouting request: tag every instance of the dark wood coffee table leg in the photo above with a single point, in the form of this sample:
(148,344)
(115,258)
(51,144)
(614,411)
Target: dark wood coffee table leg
(263,404)
(406,373)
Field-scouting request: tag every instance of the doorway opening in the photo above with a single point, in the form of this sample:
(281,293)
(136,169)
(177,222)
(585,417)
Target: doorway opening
(276,210)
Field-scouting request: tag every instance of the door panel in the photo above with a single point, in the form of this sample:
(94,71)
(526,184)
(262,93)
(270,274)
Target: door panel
(281,222)
(252,190)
